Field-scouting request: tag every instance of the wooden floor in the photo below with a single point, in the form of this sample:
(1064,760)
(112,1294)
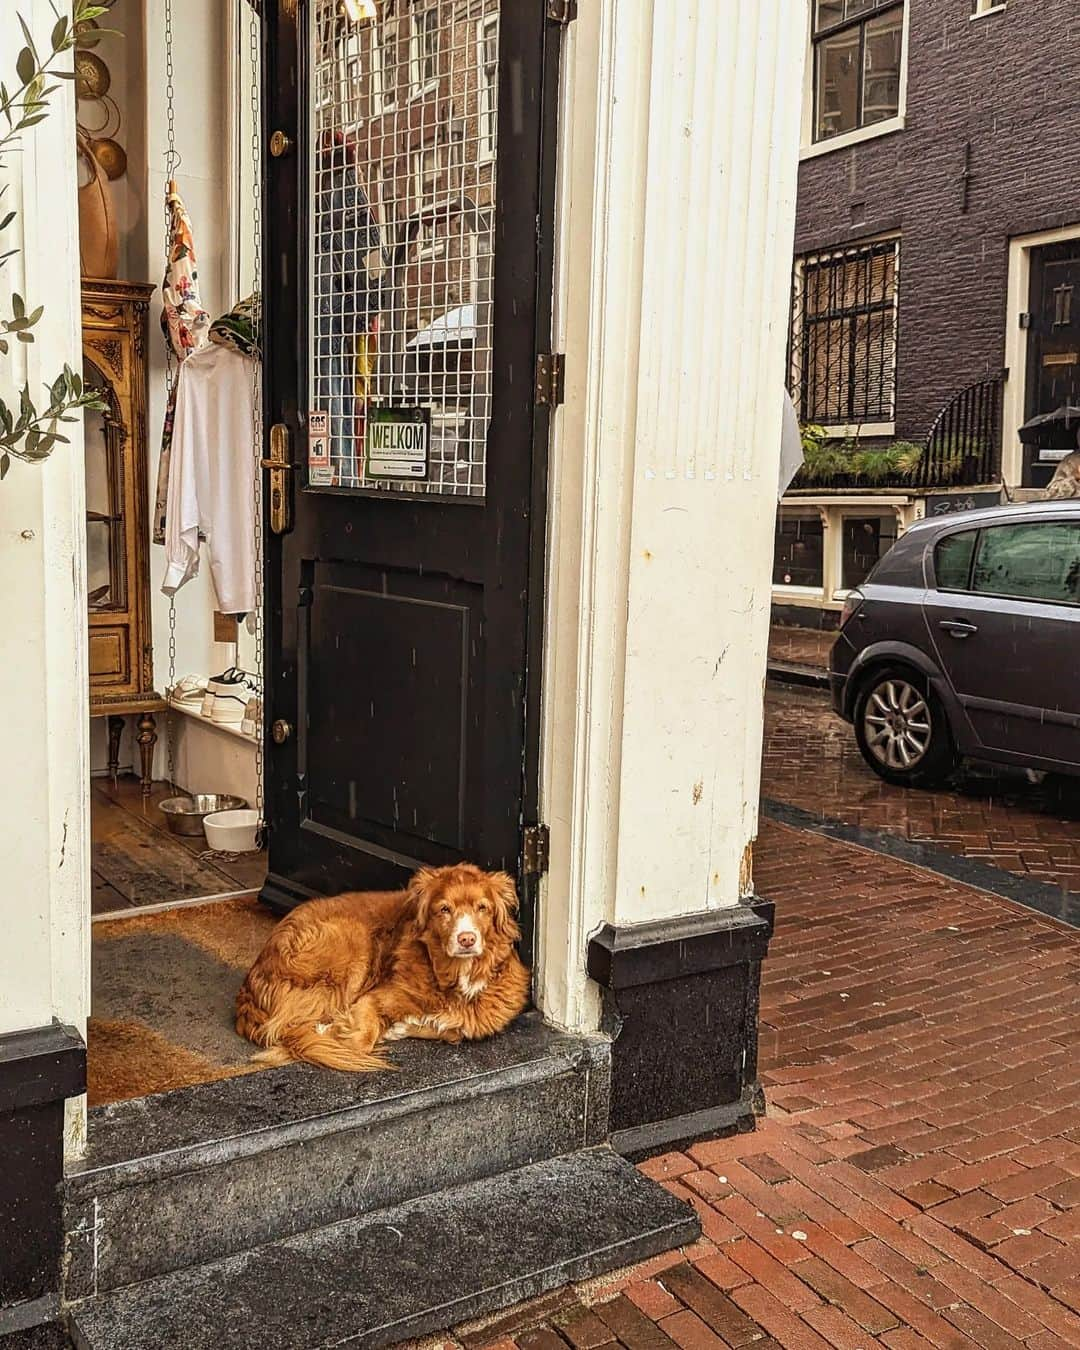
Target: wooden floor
(135,861)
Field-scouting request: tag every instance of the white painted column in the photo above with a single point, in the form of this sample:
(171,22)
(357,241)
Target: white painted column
(44,815)
(678,162)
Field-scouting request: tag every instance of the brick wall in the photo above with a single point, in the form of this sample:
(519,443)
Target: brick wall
(1009,84)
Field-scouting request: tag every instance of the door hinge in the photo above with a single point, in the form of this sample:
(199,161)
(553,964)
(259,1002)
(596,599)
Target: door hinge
(562,11)
(550,378)
(1025,320)
(534,850)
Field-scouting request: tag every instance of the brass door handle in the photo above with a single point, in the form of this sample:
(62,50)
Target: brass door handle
(279,467)
(280,144)
(281,731)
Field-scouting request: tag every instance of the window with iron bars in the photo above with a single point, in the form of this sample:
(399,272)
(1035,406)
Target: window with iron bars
(843,335)
(858,49)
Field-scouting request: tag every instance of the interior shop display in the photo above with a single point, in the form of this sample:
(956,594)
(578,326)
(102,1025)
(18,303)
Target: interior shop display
(114,337)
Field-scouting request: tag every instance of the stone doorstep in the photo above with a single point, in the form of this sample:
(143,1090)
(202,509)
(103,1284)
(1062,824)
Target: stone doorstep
(200,1174)
(407,1271)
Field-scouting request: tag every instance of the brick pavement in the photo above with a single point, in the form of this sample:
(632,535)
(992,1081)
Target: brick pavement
(810,760)
(917,1180)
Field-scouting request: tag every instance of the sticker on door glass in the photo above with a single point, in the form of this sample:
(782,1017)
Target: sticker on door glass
(397,442)
(320,470)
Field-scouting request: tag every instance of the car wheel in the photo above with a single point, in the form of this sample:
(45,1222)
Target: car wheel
(901,728)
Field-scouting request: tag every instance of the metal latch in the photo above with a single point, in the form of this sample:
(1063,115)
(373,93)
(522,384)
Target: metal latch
(562,11)
(536,847)
(550,378)
(279,467)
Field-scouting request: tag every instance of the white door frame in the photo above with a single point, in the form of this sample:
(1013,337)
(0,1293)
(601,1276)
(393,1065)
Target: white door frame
(1016,344)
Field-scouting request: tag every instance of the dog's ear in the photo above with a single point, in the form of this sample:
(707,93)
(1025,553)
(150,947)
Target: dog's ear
(504,899)
(422,888)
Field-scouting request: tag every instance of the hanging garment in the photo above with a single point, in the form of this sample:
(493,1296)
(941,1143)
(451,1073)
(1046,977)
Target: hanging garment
(239,328)
(185,324)
(212,476)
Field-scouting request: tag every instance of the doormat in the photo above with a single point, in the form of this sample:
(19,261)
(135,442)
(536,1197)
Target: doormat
(163,987)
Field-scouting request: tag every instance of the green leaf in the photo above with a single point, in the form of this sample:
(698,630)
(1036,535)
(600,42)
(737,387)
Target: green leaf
(33,318)
(33,121)
(59,33)
(25,337)
(7,220)
(29,40)
(5,464)
(25,65)
(18,305)
(3,347)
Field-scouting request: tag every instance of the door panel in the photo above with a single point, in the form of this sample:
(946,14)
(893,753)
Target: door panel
(1008,658)
(407,293)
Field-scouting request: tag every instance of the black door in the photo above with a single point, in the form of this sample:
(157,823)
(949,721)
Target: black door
(407,278)
(1053,376)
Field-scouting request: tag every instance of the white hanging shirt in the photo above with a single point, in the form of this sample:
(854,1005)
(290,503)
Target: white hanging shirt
(211,476)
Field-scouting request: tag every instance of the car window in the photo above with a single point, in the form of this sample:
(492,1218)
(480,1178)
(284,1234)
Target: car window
(952,560)
(1038,561)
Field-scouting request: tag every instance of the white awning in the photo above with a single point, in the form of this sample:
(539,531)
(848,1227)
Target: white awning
(456,325)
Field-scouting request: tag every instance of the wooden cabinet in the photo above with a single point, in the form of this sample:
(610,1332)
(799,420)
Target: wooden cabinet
(114,339)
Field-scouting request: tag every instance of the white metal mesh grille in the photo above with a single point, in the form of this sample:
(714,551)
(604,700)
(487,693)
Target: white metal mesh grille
(404,123)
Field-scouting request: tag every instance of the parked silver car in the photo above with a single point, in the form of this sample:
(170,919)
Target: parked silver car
(965,641)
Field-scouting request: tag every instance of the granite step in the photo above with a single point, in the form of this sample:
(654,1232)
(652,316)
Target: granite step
(406,1271)
(187,1177)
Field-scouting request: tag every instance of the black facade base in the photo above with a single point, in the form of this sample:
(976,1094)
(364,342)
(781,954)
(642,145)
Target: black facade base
(805,616)
(681,1006)
(39,1070)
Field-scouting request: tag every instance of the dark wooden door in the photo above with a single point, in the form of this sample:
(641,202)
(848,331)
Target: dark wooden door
(408,296)
(1053,376)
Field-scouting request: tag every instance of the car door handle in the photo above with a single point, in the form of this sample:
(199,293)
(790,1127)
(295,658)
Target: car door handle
(958,628)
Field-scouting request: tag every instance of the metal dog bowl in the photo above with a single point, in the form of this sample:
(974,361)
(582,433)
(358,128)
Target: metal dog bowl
(185,815)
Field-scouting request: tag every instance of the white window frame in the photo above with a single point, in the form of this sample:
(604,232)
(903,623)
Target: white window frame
(907,510)
(418,86)
(350,50)
(788,590)
(381,101)
(420,192)
(488,90)
(981,9)
(855,430)
(811,149)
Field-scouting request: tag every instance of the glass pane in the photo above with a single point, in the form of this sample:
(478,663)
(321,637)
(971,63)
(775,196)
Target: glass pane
(403,192)
(106,582)
(866,539)
(1040,561)
(800,547)
(829,12)
(952,560)
(837,84)
(881,76)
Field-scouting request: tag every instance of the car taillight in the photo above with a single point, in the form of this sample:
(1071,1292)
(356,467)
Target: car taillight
(852,601)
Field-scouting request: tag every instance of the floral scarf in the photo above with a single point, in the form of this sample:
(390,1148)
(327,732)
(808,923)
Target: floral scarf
(185,324)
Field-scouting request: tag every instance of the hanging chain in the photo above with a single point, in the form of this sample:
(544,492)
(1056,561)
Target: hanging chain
(257,372)
(170,370)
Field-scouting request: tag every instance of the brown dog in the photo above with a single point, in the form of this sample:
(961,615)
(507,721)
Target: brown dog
(338,976)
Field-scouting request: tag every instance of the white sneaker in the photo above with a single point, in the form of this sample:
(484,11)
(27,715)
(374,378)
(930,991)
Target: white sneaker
(227,688)
(188,691)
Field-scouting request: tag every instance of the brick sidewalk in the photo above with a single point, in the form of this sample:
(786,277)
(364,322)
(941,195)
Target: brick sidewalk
(810,760)
(917,1182)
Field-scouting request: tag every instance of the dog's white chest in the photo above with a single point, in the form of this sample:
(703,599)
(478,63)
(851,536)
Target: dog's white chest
(470,989)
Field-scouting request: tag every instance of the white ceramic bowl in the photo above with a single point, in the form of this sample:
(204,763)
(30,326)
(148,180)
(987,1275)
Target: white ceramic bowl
(232,831)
